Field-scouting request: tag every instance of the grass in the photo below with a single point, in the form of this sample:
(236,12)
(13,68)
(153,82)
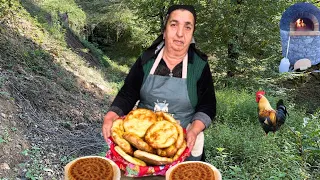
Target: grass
(4,137)
(109,77)
(36,166)
(237,145)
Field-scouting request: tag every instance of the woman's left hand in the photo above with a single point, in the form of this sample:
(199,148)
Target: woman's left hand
(191,138)
(192,132)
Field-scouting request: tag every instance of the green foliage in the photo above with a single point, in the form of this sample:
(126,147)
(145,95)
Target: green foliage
(247,29)
(117,73)
(4,6)
(153,12)
(48,13)
(7,7)
(67,159)
(33,59)
(237,145)
(310,140)
(124,33)
(304,133)
(236,111)
(103,153)
(5,136)
(76,17)
(95,51)
(35,166)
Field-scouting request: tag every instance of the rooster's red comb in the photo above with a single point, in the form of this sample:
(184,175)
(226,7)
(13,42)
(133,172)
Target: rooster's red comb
(261,92)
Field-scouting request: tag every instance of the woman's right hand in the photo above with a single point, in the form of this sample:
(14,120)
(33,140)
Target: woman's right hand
(107,124)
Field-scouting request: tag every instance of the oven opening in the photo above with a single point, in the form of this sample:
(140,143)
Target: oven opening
(303,24)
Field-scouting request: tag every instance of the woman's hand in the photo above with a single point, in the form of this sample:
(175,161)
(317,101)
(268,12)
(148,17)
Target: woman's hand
(107,124)
(192,132)
(191,139)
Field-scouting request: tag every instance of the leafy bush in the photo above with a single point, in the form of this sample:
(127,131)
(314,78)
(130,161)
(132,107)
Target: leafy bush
(307,138)
(311,139)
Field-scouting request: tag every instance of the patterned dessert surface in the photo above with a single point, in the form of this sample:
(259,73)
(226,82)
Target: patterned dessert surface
(91,167)
(195,170)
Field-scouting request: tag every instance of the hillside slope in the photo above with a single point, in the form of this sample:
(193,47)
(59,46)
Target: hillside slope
(52,100)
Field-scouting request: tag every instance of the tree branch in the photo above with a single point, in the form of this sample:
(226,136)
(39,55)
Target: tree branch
(153,15)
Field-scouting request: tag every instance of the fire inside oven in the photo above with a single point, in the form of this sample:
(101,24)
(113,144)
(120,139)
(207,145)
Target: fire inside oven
(304,24)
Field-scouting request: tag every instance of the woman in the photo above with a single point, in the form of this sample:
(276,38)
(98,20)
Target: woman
(172,72)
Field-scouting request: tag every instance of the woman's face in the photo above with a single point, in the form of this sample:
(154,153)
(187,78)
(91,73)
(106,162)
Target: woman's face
(179,31)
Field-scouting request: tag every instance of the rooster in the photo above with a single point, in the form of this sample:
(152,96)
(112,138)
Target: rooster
(270,119)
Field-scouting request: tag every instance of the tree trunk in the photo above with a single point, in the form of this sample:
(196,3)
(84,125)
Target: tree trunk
(233,56)
(162,18)
(233,51)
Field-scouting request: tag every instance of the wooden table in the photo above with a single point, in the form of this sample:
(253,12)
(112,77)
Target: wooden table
(142,178)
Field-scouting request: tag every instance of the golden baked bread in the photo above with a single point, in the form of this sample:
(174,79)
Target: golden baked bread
(194,170)
(90,168)
(161,134)
(180,136)
(180,150)
(137,142)
(159,116)
(165,116)
(158,137)
(167,152)
(138,121)
(129,158)
(117,131)
(171,150)
(169,117)
(152,158)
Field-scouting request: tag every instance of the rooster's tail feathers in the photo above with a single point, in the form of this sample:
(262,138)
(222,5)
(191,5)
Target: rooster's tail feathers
(281,112)
(281,107)
(280,103)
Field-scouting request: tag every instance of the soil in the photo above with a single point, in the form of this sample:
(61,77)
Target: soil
(48,116)
(304,88)
(308,94)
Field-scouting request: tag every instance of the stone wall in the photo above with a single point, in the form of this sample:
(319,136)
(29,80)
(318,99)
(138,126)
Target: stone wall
(301,47)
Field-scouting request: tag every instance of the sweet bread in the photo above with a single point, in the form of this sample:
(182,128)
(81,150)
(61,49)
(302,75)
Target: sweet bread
(129,158)
(157,138)
(180,151)
(161,134)
(167,152)
(117,131)
(137,142)
(152,158)
(195,170)
(90,168)
(165,116)
(168,117)
(160,116)
(180,135)
(138,121)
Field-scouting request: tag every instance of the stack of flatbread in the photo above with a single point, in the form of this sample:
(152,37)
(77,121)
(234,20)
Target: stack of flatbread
(148,138)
